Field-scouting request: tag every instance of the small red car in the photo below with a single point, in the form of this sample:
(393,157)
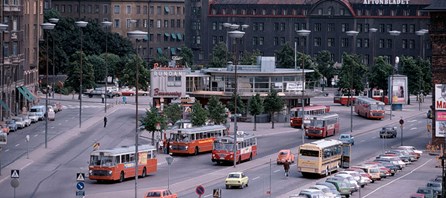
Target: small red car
(285,155)
(163,193)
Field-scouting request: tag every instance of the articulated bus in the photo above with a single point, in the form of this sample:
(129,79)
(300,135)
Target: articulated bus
(309,111)
(224,148)
(195,140)
(117,164)
(369,108)
(320,157)
(323,125)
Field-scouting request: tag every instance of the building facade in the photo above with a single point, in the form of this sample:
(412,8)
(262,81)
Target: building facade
(19,61)
(162,19)
(274,23)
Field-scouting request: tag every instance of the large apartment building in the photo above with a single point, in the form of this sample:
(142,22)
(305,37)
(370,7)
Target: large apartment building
(19,55)
(162,19)
(274,23)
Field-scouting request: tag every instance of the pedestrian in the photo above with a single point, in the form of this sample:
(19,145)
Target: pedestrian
(105,121)
(286,167)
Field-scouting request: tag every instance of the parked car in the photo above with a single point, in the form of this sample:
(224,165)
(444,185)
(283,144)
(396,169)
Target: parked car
(11,125)
(342,187)
(347,139)
(312,193)
(4,129)
(411,150)
(20,122)
(427,192)
(237,179)
(51,115)
(163,193)
(143,93)
(436,185)
(331,186)
(127,92)
(27,120)
(38,110)
(388,132)
(33,118)
(285,155)
(326,190)
(57,107)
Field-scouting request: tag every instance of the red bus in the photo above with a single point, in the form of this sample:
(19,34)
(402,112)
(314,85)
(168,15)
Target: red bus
(195,140)
(322,126)
(117,164)
(369,108)
(378,94)
(224,148)
(312,110)
(343,99)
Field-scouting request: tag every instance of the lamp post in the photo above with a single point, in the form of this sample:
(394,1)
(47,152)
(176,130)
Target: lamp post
(3,27)
(393,33)
(421,33)
(106,25)
(53,21)
(47,27)
(81,24)
(137,35)
(372,33)
(229,27)
(304,34)
(235,34)
(353,34)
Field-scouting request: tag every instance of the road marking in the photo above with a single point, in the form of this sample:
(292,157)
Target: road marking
(412,120)
(208,195)
(35,135)
(362,141)
(17,145)
(398,178)
(258,177)
(276,171)
(413,128)
(6,150)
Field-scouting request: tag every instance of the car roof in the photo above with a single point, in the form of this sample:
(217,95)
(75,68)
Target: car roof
(235,172)
(310,190)
(285,150)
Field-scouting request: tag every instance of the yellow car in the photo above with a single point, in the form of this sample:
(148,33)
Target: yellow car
(238,179)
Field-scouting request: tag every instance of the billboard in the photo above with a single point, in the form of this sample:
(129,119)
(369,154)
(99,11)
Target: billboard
(440,123)
(398,88)
(294,86)
(440,96)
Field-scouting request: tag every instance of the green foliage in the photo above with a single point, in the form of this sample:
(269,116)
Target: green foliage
(98,67)
(199,115)
(309,64)
(379,74)
(152,118)
(273,103)
(250,58)
(160,59)
(112,62)
(426,78)
(352,73)
(220,55)
(187,56)
(255,107)
(129,73)
(413,71)
(173,112)
(240,105)
(285,56)
(216,110)
(73,73)
(324,65)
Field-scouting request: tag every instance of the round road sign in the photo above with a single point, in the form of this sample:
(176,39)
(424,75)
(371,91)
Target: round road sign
(15,183)
(199,190)
(401,121)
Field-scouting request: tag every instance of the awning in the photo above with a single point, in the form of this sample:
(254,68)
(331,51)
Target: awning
(166,34)
(159,50)
(173,50)
(4,105)
(24,94)
(31,95)
(180,37)
(174,36)
(166,9)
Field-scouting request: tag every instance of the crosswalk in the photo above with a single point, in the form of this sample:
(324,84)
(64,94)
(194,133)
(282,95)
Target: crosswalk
(83,106)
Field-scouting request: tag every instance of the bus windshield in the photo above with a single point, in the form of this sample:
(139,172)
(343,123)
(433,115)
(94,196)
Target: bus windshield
(179,137)
(317,123)
(101,161)
(376,107)
(221,146)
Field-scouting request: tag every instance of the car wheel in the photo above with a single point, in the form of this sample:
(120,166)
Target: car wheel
(247,184)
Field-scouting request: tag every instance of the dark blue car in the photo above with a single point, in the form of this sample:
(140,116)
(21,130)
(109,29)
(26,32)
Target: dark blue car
(11,125)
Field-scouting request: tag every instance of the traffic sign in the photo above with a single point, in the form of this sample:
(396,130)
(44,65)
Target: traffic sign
(401,121)
(80,176)
(80,193)
(15,182)
(199,190)
(217,193)
(15,173)
(80,185)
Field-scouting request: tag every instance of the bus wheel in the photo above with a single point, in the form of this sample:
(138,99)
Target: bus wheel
(144,173)
(250,157)
(121,177)
(196,151)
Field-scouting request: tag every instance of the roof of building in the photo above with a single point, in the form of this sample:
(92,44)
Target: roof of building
(436,5)
(310,2)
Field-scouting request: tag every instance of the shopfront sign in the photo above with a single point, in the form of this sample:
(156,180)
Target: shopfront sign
(157,92)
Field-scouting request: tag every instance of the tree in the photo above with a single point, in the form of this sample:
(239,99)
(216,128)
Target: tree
(73,73)
(216,110)
(352,74)
(379,74)
(220,55)
(187,56)
(273,103)
(173,112)
(151,120)
(160,59)
(199,116)
(285,56)
(255,108)
(112,61)
(426,78)
(129,73)
(309,64)
(240,105)
(324,65)
(413,71)
(99,65)
(250,58)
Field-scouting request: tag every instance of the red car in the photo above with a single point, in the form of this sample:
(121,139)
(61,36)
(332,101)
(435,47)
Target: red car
(285,155)
(163,193)
(127,92)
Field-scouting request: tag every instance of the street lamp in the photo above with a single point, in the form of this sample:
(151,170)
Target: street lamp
(235,34)
(353,34)
(47,27)
(393,33)
(106,25)
(81,24)
(372,33)
(137,35)
(304,34)
(53,21)
(229,27)
(3,27)
(421,33)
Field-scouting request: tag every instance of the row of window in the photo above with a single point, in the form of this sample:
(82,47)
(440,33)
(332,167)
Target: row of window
(172,23)
(329,12)
(96,9)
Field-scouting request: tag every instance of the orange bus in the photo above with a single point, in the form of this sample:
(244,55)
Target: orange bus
(369,108)
(377,94)
(195,140)
(312,110)
(117,164)
(343,99)
(224,148)
(323,125)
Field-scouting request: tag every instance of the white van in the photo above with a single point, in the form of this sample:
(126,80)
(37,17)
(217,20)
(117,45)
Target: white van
(38,110)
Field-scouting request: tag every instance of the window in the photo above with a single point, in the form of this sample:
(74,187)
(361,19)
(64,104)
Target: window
(411,44)
(342,11)
(319,11)
(389,43)
(330,11)
(254,40)
(178,10)
(116,9)
(411,28)
(344,42)
(366,43)
(172,10)
(404,44)
(330,42)
(144,9)
(282,41)
(152,10)
(359,28)
(158,10)
(276,41)
(366,28)
(382,28)
(331,27)
(166,23)
(158,23)
(358,43)
(128,9)
(129,23)
(144,23)
(282,26)
(344,27)
(261,26)
(172,23)
(317,41)
(388,27)
(138,9)
(404,29)
(381,43)
(317,27)
(380,12)
(261,39)
(89,9)
(178,23)
(151,22)
(359,12)
(276,26)
(117,23)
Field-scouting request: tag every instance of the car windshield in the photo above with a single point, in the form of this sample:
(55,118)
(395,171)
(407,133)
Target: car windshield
(153,194)
(424,191)
(234,175)
(344,137)
(283,153)
(433,185)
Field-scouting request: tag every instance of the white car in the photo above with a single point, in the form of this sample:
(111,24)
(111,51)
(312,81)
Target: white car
(20,122)
(27,120)
(34,118)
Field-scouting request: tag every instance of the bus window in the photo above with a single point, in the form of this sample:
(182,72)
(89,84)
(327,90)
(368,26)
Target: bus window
(309,153)
(118,159)
(192,137)
(132,157)
(94,160)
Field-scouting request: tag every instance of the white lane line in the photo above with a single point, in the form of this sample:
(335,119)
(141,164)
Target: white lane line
(276,171)
(258,177)
(6,150)
(208,195)
(362,141)
(413,128)
(413,120)
(17,145)
(35,135)
(398,178)
(374,137)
